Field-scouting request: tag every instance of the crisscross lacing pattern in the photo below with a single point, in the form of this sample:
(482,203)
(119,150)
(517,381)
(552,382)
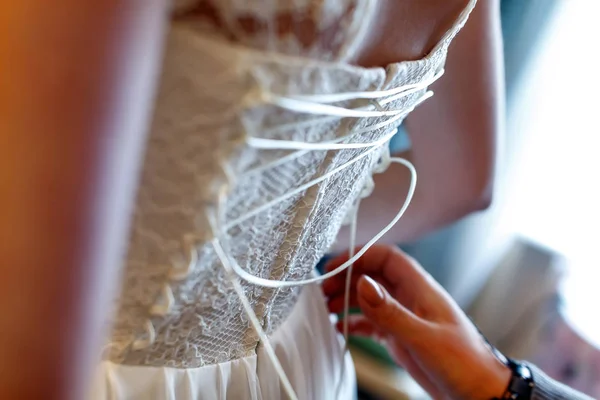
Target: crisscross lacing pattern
(220,226)
(219,109)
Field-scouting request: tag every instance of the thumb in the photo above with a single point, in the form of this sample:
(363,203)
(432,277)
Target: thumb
(387,313)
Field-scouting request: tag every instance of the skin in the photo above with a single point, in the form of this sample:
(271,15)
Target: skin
(461,141)
(77,85)
(426,332)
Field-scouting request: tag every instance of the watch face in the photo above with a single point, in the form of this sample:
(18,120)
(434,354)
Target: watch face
(521,383)
(523,372)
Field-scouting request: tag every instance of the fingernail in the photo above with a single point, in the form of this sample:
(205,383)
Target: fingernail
(371,292)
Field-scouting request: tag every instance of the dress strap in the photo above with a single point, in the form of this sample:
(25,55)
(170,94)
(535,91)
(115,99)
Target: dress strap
(456,27)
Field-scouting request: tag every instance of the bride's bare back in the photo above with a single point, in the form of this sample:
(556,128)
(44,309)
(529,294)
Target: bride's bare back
(364,32)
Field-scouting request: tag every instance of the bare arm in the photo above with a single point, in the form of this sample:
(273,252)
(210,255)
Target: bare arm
(454,134)
(76,86)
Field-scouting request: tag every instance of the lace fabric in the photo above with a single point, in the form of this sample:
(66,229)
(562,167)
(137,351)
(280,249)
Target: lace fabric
(306,345)
(177,307)
(317,29)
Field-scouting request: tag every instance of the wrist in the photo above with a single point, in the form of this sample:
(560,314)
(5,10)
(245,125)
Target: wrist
(520,380)
(493,379)
(498,381)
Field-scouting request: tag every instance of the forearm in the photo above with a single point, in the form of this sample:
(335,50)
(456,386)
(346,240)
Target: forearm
(77,81)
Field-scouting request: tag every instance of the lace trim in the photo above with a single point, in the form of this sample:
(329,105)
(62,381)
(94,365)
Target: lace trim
(326,30)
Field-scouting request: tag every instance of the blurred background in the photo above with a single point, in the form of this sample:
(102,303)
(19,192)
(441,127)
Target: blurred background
(527,269)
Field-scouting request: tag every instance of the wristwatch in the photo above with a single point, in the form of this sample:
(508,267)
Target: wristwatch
(521,382)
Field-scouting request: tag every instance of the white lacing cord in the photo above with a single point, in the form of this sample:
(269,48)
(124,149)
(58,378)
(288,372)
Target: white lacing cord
(256,280)
(394,93)
(303,147)
(235,272)
(302,188)
(232,268)
(166,300)
(312,104)
(328,118)
(335,144)
(261,143)
(307,107)
(254,320)
(351,248)
(225,260)
(347,287)
(317,104)
(280,144)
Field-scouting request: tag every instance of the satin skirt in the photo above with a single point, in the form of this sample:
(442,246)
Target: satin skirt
(307,345)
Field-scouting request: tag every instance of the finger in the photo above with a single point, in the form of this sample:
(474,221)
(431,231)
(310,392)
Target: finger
(360,326)
(336,285)
(409,283)
(414,287)
(371,261)
(337,290)
(388,262)
(387,314)
(336,304)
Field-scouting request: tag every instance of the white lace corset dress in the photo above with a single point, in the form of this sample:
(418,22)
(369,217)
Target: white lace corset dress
(180,330)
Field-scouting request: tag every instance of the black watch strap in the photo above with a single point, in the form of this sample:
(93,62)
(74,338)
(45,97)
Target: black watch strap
(521,382)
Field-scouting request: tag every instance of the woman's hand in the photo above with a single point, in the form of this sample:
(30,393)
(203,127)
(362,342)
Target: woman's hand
(426,332)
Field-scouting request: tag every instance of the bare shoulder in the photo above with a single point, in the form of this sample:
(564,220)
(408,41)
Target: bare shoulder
(408,29)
